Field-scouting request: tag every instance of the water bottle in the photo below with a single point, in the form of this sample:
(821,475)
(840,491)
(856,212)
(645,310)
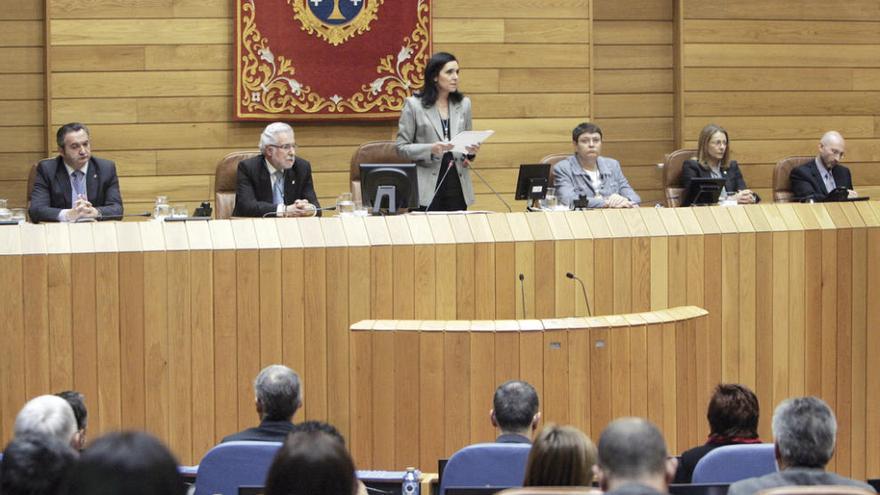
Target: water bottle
(411,482)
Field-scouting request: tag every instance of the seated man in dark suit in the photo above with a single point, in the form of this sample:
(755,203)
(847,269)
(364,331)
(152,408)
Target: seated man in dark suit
(815,179)
(805,431)
(75,184)
(278,396)
(276,182)
(632,459)
(515,412)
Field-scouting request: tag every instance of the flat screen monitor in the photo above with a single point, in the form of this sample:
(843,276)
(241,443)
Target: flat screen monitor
(703,191)
(532,181)
(389,180)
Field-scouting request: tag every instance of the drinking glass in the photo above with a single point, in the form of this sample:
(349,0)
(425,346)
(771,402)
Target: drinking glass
(344,204)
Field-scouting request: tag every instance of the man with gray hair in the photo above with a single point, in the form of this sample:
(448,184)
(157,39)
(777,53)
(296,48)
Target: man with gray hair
(805,432)
(515,412)
(47,415)
(275,182)
(815,179)
(278,396)
(633,459)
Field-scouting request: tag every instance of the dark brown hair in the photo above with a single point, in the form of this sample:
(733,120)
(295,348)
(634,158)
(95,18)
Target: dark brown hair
(733,411)
(311,463)
(703,145)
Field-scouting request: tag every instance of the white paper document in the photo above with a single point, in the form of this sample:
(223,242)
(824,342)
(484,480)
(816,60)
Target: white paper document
(469,138)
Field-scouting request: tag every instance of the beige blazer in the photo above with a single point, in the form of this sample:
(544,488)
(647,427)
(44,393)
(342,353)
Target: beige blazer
(418,129)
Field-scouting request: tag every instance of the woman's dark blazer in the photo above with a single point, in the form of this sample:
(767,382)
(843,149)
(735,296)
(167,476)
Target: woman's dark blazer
(732,176)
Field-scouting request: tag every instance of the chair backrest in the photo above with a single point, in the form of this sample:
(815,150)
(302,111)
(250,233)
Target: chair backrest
(233,464)
(781,177)
(732,463)
(371,152)
(817,490)
(552,159)
(486,464)
(552,490)
(225,178)
(672,166)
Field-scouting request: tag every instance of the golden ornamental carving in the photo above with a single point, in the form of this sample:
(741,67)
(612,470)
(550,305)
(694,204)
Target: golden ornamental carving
(335,34)
(268,84)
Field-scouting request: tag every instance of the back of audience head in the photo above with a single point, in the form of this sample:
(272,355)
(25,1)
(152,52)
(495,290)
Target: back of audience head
(278,393)
(515,408)
(312,463)
(77,403)
(312,426)
(733,412)
(133,463)
(632,450)
(560,456)
(35,465)
(47,415)
(805,432)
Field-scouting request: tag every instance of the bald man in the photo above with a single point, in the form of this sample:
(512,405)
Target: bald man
(815,179)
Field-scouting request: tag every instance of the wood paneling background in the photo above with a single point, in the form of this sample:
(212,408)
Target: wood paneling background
(777,75)
(164,326)
(155,85)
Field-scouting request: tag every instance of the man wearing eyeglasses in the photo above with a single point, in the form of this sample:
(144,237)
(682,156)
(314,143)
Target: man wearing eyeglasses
(276,182)
(815,179)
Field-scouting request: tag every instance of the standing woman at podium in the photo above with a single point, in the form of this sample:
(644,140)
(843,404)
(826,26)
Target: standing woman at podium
(428,121)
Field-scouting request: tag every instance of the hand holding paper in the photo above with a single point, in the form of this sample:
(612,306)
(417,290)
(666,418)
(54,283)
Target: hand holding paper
(465,139)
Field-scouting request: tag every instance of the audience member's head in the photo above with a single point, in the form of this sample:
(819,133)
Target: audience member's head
(77,403)
(47,415)
(805,432)
(733,412)
(560,456)
(278,392)
(312,426)
(515,408)
(133,463)
(312,463)
(34,465)
(632,450)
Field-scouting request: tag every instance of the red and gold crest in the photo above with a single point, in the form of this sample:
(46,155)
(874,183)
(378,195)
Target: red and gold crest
(328,59)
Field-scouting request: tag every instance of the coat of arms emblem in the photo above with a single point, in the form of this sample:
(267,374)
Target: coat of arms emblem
(335,21)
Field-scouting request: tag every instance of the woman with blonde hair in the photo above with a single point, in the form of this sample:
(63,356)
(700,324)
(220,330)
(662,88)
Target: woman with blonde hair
(560,456)
(713,160)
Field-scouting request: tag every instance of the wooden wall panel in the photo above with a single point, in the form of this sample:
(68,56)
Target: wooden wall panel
(763,82)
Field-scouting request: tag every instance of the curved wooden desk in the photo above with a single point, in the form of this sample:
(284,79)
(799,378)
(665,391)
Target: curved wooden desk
(164,326)
(423,389)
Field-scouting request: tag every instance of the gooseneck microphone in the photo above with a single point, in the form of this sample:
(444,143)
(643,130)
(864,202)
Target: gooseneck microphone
(583,288)
(522,290)
(484,181)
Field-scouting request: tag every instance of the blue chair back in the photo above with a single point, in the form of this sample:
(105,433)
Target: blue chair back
(233,464)
(486,464)
(732,463)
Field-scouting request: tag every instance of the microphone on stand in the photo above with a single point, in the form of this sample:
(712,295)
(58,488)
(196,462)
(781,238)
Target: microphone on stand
(522,290)
(480,176)
(583,288)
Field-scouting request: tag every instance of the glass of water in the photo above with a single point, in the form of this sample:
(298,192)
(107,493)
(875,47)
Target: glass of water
(344,204)
(550,201)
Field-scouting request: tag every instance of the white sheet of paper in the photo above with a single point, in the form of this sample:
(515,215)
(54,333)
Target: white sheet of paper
(469,138)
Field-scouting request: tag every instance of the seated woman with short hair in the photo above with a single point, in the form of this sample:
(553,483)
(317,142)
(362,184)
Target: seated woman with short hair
(713,160)
(560,456)
(733,419)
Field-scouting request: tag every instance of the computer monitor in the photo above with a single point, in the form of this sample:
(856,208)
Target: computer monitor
(532,181)
(392,186)
(703,191)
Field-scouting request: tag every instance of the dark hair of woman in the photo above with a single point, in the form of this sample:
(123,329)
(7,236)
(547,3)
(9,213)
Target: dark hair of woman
(429,93)
(134,463)
(560,456)
(733,413)
(311,463)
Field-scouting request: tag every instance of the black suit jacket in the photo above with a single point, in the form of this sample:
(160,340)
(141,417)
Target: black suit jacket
(253,190)
(733,178)
(52,191)
(806,183)
(268,431)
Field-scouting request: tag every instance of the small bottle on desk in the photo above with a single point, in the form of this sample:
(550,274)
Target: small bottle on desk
(411,482)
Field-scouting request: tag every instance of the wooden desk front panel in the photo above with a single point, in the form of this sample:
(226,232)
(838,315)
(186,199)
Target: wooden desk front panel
(165,326)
